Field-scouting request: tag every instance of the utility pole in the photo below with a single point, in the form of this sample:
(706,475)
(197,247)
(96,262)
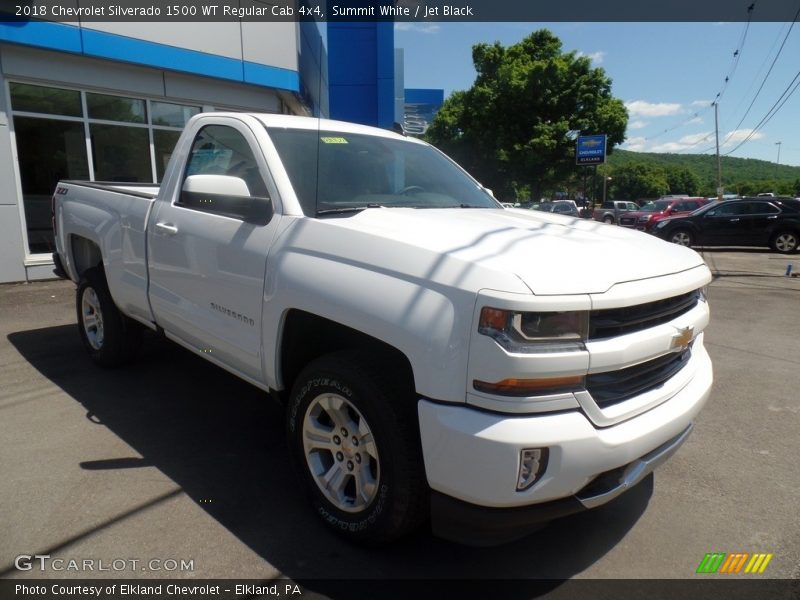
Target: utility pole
(719,162)
(778,144)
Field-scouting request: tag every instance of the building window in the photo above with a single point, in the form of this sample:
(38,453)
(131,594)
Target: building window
(48,150)
(73,134)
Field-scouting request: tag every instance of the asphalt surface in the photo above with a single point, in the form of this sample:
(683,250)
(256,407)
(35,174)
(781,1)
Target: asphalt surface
(173,459)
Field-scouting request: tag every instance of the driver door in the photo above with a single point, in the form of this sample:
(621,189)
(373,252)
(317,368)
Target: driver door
(208,247)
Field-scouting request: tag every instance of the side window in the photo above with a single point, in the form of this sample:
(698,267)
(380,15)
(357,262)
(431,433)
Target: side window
(730,210)
(763,208)
(608,205)
(222,150)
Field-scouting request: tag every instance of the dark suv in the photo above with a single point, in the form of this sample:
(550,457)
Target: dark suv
(773,222)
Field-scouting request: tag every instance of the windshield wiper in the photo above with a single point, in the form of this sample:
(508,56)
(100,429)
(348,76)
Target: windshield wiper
(347,209)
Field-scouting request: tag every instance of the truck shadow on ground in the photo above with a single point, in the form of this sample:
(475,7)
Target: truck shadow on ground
(218,437)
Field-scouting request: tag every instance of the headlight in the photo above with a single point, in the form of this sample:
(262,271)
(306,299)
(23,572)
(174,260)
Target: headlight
(535,332)
(645,219)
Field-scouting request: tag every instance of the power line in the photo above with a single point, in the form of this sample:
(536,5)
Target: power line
(764,81)
(735,62)
(772,111)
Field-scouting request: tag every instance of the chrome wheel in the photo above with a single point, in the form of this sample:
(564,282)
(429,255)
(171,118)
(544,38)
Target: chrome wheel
(92,318)
(786,242)
(341,453)
(681,238)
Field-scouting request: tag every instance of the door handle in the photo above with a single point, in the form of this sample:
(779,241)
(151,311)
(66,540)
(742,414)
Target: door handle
(773,217)
(732,221)
(167,228)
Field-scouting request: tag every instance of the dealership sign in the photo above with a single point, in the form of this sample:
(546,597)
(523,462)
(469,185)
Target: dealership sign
(590,150)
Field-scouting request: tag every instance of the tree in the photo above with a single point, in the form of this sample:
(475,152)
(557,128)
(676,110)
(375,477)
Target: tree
(682,181)
(510,129)
(637,181)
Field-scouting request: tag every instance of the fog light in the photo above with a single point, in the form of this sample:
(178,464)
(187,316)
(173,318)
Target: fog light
(532,463)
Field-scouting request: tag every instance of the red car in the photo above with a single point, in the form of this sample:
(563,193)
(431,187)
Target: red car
(651,213)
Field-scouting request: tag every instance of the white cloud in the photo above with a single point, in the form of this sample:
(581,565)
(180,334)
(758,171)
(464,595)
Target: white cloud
(692,141)
(638,124)
(695,121)
(595,57)
(642,108)
(701,103)
(635,144)
(737,135)
(416,27)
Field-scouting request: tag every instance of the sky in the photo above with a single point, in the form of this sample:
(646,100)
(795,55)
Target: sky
(667,74)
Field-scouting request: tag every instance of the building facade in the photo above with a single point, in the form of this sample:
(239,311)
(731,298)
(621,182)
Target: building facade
(107,102)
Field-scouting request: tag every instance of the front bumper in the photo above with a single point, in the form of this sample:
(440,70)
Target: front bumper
(478,525)
(472,456)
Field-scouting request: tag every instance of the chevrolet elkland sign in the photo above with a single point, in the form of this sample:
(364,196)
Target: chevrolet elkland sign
(590,150)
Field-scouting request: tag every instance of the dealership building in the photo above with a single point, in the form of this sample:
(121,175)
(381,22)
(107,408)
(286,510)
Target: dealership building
(107,101)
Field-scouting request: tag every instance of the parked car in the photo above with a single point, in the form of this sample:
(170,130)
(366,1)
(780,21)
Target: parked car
(560,207)
(773,222)
(611,211)
(651,213)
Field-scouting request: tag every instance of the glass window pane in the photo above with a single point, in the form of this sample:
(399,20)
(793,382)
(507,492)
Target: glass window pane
(164,142)
(220,150)
(173,115)
(116,108)
(48,150)
(46,100)
(121,153)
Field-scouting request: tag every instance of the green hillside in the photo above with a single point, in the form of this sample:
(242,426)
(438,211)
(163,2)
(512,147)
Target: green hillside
(747,174)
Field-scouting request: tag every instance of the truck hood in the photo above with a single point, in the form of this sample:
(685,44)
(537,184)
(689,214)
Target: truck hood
(550,254)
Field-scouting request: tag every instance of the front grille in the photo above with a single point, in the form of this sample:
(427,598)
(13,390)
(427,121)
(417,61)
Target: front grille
(612,322)
(613,387)
(627,221)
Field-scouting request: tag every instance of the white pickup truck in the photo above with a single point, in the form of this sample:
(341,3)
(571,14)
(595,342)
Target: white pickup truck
(437,354)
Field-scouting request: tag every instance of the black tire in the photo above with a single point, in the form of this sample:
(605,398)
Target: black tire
(682,237)
(785,242)
(110,338)
(608,219)
(385,495)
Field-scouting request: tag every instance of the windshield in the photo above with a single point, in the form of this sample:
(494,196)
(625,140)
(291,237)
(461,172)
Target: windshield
(656,206)
(366,171)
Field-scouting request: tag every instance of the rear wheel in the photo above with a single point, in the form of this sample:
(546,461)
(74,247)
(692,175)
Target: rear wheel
(682,237)
(110,337)
(608,219)
(785,242)
(354,441)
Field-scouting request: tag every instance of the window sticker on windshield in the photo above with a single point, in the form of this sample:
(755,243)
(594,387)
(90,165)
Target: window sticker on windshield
(333,140)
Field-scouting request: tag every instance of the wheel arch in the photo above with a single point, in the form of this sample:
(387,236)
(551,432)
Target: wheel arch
(305,337)
(84,254)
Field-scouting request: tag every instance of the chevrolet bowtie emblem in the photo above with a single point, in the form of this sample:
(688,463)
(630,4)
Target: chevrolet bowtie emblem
(683,338)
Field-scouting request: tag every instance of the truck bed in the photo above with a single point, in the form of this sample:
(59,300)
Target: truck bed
(112,215)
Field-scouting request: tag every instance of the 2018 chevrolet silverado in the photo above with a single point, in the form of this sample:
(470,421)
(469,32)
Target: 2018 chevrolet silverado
(437,353)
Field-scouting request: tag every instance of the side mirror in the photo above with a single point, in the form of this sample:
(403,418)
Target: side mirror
(216,184)
(226,196)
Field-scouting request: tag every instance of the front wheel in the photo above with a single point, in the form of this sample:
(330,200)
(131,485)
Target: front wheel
(682,237)
(354,441)
(785,242)
(110,337)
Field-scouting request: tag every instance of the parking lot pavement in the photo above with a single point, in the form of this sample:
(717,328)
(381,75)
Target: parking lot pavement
(174,459)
